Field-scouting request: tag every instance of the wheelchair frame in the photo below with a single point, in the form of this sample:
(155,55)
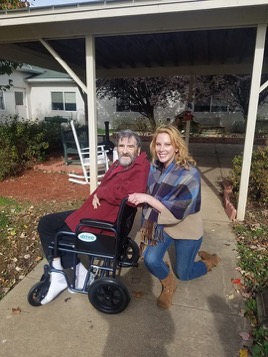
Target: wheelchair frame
(107,252)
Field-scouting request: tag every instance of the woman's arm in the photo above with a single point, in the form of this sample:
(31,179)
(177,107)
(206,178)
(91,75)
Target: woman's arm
(138,198)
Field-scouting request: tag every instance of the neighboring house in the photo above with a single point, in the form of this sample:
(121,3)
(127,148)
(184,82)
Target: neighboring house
(113,111)
(16,100)
(37,93)
(217,112)
(54,94)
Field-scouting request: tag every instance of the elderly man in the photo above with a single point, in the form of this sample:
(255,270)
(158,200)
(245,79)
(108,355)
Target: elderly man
(127,175)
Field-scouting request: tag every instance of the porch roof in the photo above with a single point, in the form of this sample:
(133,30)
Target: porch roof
(144,38)
(138,38)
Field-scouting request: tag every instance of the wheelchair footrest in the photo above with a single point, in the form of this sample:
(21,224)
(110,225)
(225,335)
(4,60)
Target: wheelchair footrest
(127,265)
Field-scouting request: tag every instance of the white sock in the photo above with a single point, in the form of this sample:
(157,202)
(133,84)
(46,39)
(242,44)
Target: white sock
(81,273)
(57,283)
(56,263)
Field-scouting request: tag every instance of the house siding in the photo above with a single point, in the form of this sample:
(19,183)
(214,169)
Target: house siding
(41,101)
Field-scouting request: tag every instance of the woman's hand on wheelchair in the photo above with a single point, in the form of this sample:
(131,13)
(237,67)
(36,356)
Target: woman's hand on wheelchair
(138,198)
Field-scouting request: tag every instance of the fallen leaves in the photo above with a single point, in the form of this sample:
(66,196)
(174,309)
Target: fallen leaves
(236,281)
(20,251)
(244,335)
(138,294)
(239,285)
(243,353)
(252,244)
(20,248)
(16,310)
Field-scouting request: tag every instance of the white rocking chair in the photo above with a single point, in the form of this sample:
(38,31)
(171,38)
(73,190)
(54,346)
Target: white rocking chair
(84,156)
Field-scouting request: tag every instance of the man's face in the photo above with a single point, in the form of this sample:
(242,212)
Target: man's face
(127,151)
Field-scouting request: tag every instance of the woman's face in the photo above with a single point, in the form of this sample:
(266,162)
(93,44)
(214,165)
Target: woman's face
(164,149)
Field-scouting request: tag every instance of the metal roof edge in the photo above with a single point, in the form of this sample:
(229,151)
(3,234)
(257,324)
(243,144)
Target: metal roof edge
(89,7)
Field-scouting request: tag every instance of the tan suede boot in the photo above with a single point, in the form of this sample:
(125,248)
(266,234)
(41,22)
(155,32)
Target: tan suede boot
(169,286)
(211,260)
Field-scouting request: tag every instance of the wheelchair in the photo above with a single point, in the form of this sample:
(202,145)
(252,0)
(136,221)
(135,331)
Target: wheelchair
(106,252)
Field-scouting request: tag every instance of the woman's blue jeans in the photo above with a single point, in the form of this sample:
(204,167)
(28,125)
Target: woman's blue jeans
(186,249)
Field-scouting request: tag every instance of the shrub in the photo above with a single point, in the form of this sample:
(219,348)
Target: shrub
(140,125)
(258,179)
(253,262)
(238,127)
(52,135)
(261,127)
(23,143)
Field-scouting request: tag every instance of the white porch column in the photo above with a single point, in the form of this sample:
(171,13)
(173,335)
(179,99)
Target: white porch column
(251,121)
(92,109)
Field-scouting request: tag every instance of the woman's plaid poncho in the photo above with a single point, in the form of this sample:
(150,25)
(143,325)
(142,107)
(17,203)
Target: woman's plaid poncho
(179,189)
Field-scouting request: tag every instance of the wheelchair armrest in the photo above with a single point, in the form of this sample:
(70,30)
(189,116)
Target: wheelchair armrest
(96,224)
(64,233)
(60,235)
(60,242)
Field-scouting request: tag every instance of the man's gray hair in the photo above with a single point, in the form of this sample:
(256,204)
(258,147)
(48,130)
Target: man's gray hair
(127,133)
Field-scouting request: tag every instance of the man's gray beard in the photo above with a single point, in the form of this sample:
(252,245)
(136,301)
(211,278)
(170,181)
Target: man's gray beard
(122,161)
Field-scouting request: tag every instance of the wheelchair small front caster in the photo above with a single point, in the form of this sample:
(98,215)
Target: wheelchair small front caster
(131,254)
(108,295)
(39,290)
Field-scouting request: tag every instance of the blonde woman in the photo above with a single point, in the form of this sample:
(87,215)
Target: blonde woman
(171,213)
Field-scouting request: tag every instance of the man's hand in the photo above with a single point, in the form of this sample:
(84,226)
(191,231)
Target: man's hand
(95,201)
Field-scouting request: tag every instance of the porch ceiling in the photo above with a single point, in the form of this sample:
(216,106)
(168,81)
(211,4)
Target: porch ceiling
(175,37)
(168,53)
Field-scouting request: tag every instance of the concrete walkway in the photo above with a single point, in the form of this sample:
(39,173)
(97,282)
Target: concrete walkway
(203,322)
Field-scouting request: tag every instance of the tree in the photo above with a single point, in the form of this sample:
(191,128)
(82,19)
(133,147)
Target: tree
(7,67)
(239,91)
(13,4)
(145,94)
(234,90)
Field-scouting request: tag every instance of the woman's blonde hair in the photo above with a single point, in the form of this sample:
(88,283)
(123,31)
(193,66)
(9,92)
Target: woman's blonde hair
(182,156)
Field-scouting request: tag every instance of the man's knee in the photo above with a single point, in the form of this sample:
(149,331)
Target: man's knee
(44,222)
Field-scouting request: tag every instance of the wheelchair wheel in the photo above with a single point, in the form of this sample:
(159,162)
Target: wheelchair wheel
(131,254)
(38,292)
(108,295)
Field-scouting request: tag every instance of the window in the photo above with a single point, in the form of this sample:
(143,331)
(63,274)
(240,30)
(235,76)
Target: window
(2,104)
(219,108)
(199,107)
(19,98)
(70,103)
(63,101)
(211,105)
(123,104)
